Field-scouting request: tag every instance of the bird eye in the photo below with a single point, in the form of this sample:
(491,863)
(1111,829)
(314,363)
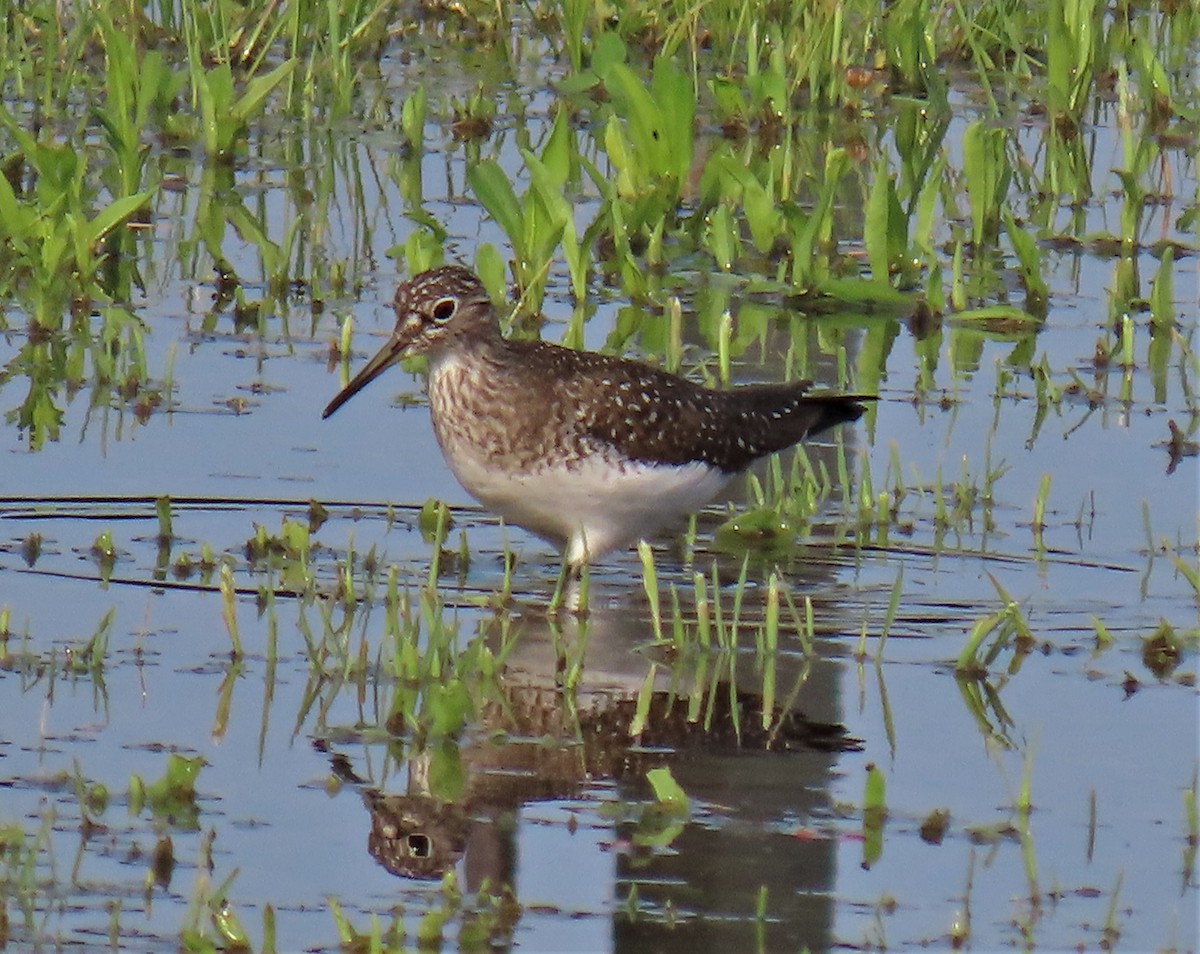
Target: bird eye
(444,308)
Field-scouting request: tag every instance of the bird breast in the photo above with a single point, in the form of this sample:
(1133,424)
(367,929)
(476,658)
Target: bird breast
(481,421)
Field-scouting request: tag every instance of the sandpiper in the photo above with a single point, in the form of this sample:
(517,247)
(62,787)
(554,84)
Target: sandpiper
(589,451)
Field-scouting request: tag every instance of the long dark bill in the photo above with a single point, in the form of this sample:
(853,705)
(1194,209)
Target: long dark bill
(388,355)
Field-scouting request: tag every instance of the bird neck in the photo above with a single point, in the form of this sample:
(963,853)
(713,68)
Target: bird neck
(478,349)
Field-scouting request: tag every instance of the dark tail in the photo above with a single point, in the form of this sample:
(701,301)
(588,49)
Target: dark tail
(769,418)
(835,409)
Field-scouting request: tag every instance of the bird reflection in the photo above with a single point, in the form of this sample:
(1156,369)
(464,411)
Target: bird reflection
(457,796)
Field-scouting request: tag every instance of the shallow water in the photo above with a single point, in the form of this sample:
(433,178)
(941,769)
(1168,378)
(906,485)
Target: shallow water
(296,756)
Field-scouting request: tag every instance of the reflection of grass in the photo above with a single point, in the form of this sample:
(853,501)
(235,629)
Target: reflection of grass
(22,853)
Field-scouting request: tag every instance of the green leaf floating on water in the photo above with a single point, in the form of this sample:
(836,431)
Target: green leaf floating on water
(434,519)
(667,791)
(663,820)
(874,816)
(1002,318)
(874,793)
(764,527)
(174,795)
(865,292)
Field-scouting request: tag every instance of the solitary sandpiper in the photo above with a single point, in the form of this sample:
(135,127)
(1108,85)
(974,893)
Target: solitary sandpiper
(589,451)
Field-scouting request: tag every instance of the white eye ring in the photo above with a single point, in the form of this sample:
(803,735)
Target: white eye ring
(443,309)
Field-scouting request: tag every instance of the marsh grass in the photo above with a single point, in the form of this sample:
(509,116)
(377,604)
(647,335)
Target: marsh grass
(655,203)
(993,634)
(688,139)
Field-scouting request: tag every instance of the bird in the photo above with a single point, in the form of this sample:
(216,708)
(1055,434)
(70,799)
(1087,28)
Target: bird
(591,452)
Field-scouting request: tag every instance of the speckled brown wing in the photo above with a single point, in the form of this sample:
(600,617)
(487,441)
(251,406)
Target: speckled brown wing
(652,416)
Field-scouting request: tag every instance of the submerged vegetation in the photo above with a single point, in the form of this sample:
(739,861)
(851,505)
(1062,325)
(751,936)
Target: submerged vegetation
(989,214)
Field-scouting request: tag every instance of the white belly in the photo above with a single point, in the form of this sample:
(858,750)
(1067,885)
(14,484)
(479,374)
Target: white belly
(592,506)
